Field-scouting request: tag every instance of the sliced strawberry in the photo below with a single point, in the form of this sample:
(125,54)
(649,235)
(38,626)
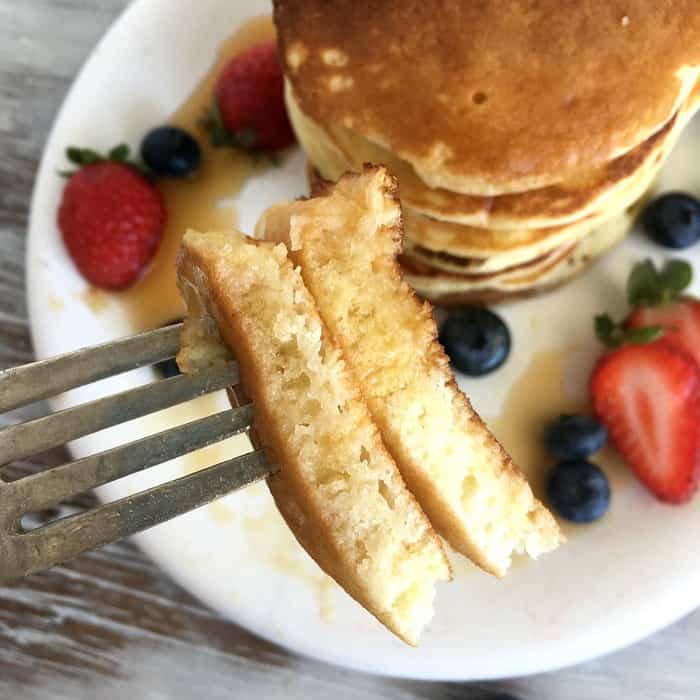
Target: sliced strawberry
(680,319)
(648,396)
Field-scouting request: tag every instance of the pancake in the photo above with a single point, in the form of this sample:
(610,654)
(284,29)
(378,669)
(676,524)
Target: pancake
(338,488)
(487,100)
(333,150)
(345,240)
(452,247)
(450,289)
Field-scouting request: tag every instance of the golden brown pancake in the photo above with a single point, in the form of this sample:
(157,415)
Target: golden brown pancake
(471,250)
(486,98)
(535,277)
(333,150)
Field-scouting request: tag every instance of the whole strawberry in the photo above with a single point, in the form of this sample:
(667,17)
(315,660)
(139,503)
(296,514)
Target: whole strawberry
(111,218)
(646,390)
(249,111)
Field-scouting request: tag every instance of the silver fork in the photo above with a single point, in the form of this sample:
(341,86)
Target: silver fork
(25,552)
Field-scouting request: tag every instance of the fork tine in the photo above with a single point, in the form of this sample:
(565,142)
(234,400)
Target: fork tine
(44,489)
(41,434)
(37,380)
(64,539)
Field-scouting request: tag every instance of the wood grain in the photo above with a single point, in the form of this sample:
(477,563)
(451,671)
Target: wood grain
(110,625)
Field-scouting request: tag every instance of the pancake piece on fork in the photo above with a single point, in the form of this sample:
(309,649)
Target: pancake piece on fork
(346,241)
(338,488)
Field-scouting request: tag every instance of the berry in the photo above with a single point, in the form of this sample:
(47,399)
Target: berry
(111,219)
(476,340)
(579,491)
(679,319)
(673,220)
(170,151)
(656,296)
(648,396)
(249,108)
(574,437)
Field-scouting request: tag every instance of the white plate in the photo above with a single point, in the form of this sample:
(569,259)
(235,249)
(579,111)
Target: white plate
(613,583)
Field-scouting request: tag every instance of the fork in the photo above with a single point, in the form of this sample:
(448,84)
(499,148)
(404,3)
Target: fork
(24,552)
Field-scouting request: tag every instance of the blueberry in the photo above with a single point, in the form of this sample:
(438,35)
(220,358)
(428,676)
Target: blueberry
(573,437)
(476,340)
(168,368)
(170,151)
(579,491)
(673,220)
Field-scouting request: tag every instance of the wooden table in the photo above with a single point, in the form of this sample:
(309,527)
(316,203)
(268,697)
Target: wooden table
(111,625)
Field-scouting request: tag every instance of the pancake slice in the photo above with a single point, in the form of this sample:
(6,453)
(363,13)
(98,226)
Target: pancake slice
(346,242)
(338,487)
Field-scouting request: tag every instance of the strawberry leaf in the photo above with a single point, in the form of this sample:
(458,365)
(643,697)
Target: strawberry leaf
(246,139)
(643,335)
(615,335)
(213,124)
(87,156)
(119,153)
(82,156)
(643,285)
(607,331)
(675,277)
(647,286)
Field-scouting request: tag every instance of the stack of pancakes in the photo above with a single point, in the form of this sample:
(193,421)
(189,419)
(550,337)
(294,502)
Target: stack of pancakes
(523,135)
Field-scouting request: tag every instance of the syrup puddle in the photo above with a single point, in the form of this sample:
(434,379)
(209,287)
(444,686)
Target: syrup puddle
(202,201)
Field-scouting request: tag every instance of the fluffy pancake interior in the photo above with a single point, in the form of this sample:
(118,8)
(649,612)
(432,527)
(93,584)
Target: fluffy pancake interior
(338,487)
(346,245)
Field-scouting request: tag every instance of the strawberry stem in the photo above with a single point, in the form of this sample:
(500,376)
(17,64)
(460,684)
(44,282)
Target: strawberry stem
(648,286)
(87,156)
(615,335)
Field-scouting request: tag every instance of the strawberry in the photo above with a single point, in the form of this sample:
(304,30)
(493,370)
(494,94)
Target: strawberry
(658,310)
(648,396)
(680,320)
(249,111)
(111,218)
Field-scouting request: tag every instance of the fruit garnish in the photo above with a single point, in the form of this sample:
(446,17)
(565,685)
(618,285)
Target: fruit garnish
(81,157)
(476,340)
(680,321)
(648,288)
(248,111)
(575,436)
(648,396)
(111,218)
(579,491)
(673,220)
(170,151)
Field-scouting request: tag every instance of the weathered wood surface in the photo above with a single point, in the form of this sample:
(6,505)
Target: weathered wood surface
(110,625)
